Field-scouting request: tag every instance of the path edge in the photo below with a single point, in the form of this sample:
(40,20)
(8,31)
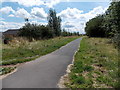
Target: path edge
(15,70)
(61,83)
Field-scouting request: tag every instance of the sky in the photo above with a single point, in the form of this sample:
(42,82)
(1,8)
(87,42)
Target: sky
(74,13)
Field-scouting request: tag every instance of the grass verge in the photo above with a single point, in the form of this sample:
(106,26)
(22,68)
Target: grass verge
(22,52)
(95,65)
(30,51)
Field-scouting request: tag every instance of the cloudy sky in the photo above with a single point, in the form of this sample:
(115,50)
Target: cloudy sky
(74,13)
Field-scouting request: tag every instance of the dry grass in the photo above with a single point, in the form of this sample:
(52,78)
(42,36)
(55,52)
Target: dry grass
(101,59)
(20,50)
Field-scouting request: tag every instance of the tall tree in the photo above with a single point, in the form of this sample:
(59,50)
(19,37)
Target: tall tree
(59,25)
(94,27)
(54,22)
(113,16)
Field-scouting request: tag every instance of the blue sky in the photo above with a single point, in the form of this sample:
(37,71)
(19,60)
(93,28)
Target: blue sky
(74,14)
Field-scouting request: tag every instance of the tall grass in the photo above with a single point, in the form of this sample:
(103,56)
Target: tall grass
(96,65)
(21,50)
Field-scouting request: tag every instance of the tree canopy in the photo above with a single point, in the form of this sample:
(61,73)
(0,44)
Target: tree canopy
(54,22)
(106,25)
(52,29)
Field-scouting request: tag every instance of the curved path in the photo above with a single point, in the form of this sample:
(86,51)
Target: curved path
(45,71)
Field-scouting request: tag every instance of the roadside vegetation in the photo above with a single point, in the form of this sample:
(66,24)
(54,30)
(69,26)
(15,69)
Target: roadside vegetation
(95,65)
(21,50)
(106,25)
(97,62)
(17,53)
(6,70)
(33,41)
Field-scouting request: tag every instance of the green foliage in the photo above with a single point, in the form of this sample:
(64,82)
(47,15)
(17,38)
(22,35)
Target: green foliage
(95,65)
(5,70)
(53,29)
(66,33)
(34,31)
(77,79)
(54,22)
(114,14)
(94,27)
(32,50)
(106,25)
(88,68)
(7,40)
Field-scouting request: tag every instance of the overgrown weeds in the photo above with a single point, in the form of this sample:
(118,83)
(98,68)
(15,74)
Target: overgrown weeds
(23,50)
(95,65)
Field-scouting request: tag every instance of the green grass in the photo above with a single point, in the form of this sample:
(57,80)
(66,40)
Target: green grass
(5,70)
(95,65)
(13,54)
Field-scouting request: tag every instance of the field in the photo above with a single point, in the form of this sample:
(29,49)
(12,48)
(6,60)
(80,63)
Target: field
(95,65)
(22,52)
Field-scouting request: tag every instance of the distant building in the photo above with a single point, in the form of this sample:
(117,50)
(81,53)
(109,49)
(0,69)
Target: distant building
(11,33)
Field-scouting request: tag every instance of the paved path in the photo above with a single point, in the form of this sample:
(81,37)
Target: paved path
(45,71)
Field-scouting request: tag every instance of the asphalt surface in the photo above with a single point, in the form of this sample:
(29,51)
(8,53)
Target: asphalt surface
(45,71)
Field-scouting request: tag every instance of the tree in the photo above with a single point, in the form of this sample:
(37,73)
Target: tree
(34,31)
(113,22)
(58,33)
(94,27)
(54,22)
(107,25)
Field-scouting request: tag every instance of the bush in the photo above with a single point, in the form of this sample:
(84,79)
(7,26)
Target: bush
(34,31)
(94,27)
(7,40)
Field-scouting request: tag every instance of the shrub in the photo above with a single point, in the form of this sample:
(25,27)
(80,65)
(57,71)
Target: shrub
(34,31)
(7,40)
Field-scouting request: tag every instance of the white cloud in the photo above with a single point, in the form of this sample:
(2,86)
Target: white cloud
(38,23)
(9,25)
(19,13)
(15,25)
(11,15)
(1,19)
(70,13)
(22,13)
(29,3)
(6,10)
(38,13)
(51,3)
(68,25)
(96,11)
(72,26)
(75,19)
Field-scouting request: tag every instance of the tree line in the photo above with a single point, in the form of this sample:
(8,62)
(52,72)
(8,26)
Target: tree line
(52,29)
(106,25)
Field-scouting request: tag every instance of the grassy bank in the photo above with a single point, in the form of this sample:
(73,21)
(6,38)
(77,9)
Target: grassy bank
(13,54)
(95,65)
(24,51)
